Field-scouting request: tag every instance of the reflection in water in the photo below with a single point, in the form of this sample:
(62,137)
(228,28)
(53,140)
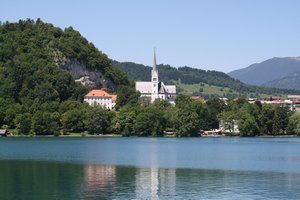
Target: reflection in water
(99,176)
(35,180)
(151,182)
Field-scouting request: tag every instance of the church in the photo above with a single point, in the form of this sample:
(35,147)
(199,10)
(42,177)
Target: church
(156,89)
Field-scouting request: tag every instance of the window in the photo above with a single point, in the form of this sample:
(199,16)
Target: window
(154,79)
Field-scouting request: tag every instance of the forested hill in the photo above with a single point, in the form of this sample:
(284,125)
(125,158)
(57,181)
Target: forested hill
(34,53)
(188,75)
(38,65)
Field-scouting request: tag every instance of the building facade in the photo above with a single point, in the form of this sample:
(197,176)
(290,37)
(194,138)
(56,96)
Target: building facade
(156,89)
(101,98)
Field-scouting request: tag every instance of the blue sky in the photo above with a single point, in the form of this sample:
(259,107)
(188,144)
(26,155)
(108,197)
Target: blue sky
(218,35)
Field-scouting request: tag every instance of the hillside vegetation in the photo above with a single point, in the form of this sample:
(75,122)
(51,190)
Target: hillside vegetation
(35,90)
(184,76)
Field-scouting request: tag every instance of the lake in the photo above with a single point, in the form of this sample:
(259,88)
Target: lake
(149,168)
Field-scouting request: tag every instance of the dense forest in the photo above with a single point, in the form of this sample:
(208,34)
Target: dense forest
(188,75)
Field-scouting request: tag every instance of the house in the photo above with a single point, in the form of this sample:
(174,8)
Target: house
(156,89)
(4,132)
(101,98)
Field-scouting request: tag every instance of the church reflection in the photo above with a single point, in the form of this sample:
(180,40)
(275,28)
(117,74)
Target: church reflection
(145,183)
(153,182)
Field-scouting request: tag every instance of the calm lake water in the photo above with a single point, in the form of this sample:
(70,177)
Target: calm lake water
(149,168)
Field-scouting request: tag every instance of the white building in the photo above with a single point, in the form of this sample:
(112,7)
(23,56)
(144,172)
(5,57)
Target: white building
(229,127)
(102,98)
(156,89)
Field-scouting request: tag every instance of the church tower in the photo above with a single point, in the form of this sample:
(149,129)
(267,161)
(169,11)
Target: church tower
(154,80)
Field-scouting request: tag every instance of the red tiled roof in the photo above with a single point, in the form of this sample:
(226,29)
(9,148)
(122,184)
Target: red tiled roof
(97,93)
(114,97)
(100,93)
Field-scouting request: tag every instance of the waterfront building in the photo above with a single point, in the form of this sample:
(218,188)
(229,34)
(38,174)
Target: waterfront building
(156,89)
(101,98)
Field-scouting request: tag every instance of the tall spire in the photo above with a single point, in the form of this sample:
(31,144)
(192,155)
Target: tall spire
(154,61)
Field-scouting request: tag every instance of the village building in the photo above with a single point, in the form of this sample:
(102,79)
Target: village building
(156,89)
(101,98)
(229,127)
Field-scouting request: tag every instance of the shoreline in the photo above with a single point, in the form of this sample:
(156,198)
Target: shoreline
(165,136)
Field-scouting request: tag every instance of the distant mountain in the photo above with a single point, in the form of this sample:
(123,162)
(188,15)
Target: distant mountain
(188,75)
(288,82)
(266,72)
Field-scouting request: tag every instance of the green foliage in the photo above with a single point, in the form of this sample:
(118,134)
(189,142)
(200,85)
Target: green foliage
(150,122)
(255,119)
(215,107)
(98,120)
(186,123)
(247,125)
(125,121)
(45,123)
(36,92)
(266,119)
(294,124)
(23,123)
(127,96)
(183,101)
(280,120)
(187,117)
(73,120)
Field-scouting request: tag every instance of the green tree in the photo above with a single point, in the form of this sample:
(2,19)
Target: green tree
(294,123)
(266,119)
(98,120)
(125,121)
(73,120)
(23,123)
(247,125)
(183,101)
(280,120)
(150,122)
(45,123)
(215,107)
(127,96)
(186,123)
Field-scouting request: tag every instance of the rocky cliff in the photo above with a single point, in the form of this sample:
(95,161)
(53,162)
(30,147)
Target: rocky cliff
(90,78)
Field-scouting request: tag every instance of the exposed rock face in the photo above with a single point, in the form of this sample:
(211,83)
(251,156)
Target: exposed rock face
(91,78)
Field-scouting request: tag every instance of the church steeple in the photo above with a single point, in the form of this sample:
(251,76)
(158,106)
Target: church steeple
(154,73)
(154,61)
(154,80)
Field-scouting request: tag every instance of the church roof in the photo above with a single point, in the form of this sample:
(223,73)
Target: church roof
(171,89)
(144,87)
